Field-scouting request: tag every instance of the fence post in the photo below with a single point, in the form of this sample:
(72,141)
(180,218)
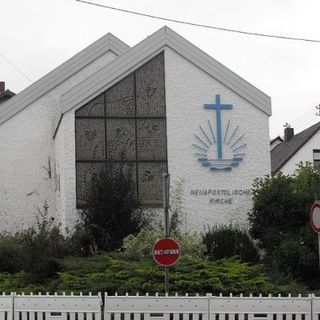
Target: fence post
(209,305)
(12,305)
(311,305)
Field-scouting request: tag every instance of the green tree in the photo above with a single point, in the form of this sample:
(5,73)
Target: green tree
(279,221)
(111,212)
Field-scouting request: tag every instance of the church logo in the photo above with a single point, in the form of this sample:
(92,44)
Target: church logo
(222,149)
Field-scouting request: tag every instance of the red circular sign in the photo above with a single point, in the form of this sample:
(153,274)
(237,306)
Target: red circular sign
(166,252)
(315,217)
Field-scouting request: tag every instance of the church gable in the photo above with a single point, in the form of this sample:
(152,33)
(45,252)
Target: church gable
(125,124)
(140,53)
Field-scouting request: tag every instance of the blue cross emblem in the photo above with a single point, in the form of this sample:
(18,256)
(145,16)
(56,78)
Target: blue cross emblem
(218,107)
(228,141)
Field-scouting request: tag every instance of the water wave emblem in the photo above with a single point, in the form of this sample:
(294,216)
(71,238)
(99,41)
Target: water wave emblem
(223,149)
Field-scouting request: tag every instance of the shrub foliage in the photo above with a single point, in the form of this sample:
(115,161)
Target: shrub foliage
(36,251)
(114,273)
(139,246)
(228,241)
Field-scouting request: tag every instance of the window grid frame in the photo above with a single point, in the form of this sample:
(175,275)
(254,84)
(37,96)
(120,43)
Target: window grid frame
(136,118)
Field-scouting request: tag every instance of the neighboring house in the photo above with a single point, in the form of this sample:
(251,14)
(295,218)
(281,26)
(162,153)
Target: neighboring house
(274,142)
(302,147)
(5,95)
(161,106)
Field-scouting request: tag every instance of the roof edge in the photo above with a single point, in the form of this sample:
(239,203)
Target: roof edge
(8,93)
(276,138)
(220,72)
(108,42)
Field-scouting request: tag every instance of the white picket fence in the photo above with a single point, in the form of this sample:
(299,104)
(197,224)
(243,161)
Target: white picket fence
(211,308)
(50,307)
(89,307)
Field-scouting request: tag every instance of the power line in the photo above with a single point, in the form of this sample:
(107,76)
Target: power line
(303,118)
(15,67)
(305,124)
(309,115)
(257,34)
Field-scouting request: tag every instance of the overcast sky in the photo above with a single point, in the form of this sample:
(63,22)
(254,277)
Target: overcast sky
(38,35)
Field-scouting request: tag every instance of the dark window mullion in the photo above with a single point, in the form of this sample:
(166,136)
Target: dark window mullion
(105,130)
(136,134)
(165,112)
(127,161)
(127,118)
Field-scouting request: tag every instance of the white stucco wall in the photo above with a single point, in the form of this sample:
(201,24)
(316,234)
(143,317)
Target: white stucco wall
(187,89)
(65,147)
(26,144)
(304,154)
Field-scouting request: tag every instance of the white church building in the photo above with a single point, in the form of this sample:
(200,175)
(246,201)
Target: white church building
(161,106)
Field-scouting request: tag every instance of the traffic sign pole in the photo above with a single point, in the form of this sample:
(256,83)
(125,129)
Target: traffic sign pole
(166,194)
(315,219)
(319,248)
(317,199)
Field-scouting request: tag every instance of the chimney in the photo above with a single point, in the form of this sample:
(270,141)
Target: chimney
(288,134)
(2,87)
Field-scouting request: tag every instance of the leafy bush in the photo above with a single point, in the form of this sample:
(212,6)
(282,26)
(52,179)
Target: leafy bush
(111,212)
(177,213)
(297,259)
(139,246)
(36,251)
(11,252)
(80,241)
(191,245)
(228,241)
(279,221)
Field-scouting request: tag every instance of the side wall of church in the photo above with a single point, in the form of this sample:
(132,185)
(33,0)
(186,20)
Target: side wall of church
(27,148)
(211,197)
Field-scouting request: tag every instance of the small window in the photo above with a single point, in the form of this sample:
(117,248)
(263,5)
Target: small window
(316,158)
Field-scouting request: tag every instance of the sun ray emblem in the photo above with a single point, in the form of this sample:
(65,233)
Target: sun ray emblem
(222,151)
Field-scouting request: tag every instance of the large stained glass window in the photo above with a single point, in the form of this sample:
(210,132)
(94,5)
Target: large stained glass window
(126,125)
